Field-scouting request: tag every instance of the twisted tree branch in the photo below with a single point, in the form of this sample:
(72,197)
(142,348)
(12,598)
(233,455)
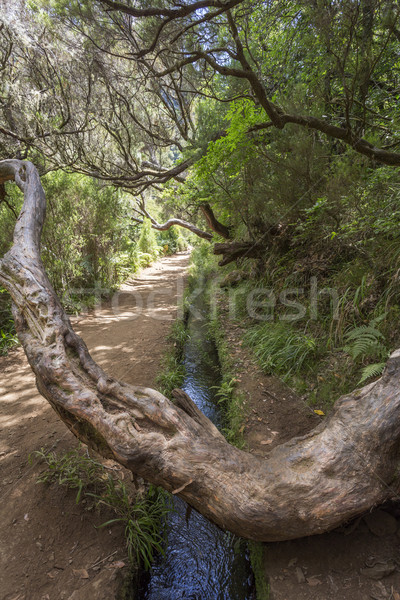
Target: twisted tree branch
(306,486)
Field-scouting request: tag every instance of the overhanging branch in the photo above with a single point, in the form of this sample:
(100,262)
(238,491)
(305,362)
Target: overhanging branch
(179,223)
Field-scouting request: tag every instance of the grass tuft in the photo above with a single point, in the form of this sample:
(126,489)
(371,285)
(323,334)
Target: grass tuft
(142,516)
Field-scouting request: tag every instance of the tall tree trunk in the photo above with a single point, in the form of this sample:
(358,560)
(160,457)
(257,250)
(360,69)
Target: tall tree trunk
(306,486)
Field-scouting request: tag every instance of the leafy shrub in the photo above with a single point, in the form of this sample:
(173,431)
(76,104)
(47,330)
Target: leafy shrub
(147,243)
(172,240)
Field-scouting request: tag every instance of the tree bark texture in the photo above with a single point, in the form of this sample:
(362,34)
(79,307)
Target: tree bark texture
(308,485)
(234,250)
(213,222)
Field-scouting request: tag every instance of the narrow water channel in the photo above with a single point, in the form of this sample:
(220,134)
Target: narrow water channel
(201,562)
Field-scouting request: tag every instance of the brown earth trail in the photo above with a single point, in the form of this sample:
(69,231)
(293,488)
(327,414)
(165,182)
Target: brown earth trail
(50,548)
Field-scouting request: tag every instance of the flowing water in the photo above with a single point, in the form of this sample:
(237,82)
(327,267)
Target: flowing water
(201,562)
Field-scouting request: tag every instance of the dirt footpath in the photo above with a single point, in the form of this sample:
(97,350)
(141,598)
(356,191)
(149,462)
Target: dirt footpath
(50,548)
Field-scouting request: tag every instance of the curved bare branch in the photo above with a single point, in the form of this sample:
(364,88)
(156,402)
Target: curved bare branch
(179,223)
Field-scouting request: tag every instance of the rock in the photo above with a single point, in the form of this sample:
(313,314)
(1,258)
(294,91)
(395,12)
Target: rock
(381,523)
(379,570)
(300,575)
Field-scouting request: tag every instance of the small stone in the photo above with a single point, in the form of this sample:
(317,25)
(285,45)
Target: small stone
(81,573)
(118,564)
(313,581)
(300,575)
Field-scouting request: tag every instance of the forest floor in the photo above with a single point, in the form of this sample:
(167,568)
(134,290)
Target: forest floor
(360,561)
(50,548)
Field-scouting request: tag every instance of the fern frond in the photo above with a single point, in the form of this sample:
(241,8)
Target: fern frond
(371,371)
(364,341)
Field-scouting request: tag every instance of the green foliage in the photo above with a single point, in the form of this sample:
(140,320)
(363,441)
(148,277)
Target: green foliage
(85,233)
(172,374)
(241,116)
(143,519)
(202,264)
(231,400)
(147,243)
(365,341)
(8,336)
(172,240)
(179,334)
(141,516)
(281,349)
(225,390)
(372,371)
(73,469)
(88,243)
(258,567)
(173,371)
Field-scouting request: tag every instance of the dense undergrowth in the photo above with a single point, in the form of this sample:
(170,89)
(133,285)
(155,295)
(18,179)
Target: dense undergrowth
(321,302)
(323,335)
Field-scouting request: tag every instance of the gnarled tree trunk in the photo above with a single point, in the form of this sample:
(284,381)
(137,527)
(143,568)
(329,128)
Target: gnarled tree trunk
(306,486)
